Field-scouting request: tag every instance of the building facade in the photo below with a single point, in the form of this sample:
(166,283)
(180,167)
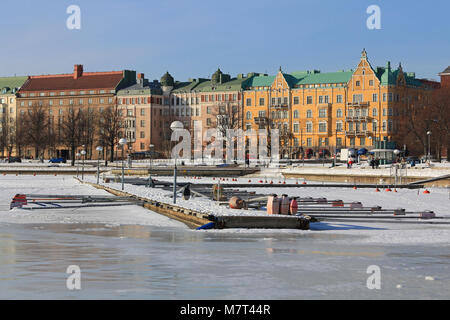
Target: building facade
(57,95)
(9,86)
(320,113)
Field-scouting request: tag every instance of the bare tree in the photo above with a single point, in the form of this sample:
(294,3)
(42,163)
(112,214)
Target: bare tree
(35,126)
(440,116)
(110,124)
(71,133)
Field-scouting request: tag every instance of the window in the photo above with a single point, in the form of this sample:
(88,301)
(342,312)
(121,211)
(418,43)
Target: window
(390,112)
(339,113)
(296,100)
(208,110)
(296,116)
(309,113)
(357,98)
(390,126)
(374,97)
(384,125)
(296,127)
(374,126)
(391,97)
(142,112)
(352,142)
(339,98)
(338,126)
(262,114)
(285,100)
(358,83)
(309,142)
(322,126)
(261,101)
(309,100)
(320,99)
(371,83)
(249,102)
(322,113)
(248,115)
(309,127)
(362,141)
(142,123)
(142,135)
(374,112)
(338,142)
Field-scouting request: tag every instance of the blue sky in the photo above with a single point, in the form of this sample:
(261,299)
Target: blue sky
(191,38)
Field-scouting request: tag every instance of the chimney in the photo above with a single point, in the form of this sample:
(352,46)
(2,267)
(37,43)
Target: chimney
(77,71)
(140,76)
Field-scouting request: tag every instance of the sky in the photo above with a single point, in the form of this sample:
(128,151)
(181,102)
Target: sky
(192,38)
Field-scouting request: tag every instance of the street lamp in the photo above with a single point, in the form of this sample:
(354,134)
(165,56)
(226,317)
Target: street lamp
(99,149)
(174,126)
(77,155)
(83,153)
(151,146)
(429,145)
(122,142)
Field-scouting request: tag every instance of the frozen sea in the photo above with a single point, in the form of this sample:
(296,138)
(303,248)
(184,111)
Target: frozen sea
(133,253)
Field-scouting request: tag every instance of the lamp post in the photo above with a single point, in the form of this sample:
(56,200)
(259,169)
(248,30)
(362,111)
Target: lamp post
(122,142)
(174,126)
(83,153)
(77,155)
(429,145)
(99,149)
(151,146)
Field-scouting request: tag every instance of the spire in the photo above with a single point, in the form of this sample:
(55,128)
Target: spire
(364,54)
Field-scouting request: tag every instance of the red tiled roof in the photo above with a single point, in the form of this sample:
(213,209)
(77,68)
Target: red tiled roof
(89,80)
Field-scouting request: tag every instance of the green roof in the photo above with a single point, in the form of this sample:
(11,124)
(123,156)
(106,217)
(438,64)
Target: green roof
(206,85)
(260,81)
(328,77)
(8,84)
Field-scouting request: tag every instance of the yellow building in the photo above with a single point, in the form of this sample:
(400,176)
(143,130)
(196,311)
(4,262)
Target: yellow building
(318,113)
(8,112)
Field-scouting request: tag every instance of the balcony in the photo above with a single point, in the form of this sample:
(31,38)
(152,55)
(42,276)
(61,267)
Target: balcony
(357,133)
(280,105)
(358,104)
(357,118)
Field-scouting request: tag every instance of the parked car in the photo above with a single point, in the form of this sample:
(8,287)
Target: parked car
(57,160)
(13,159)
(412,161)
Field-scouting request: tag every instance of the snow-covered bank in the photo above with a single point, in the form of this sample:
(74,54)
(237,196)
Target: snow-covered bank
(126,215)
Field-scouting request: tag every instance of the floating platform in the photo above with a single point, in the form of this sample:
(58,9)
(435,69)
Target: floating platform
(262,222)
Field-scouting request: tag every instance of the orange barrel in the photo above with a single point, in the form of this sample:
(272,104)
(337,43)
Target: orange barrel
(293,207)
(284,204)
(273,205)
(236,203)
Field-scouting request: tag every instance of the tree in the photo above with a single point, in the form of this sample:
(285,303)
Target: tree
(71,133)
(439,113)
(35,126)
(110,123)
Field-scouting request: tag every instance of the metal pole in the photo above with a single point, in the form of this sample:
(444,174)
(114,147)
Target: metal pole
(82,170)
(175,182)
(429,148)
(98,168)
(123,171)
(78,165)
